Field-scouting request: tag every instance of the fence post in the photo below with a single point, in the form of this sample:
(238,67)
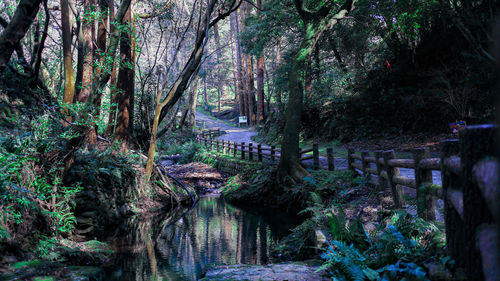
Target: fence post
(364,164)
(218,132)
(211,144)
(209,134)
(397,190)
(228,147)
(203,124)
(223,147)
(382,182)
(350,160)
(235,149)
(273,151)
(423,181)
(331,159)
(315,156)
(217,145)
(250,151)
(259,152)
(476,143)
(243,150)
(454,225)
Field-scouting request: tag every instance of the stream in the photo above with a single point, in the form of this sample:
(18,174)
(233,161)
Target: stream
(187,240)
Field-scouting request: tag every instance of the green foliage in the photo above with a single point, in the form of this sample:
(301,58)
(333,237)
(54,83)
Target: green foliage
(403,271)
(346,263)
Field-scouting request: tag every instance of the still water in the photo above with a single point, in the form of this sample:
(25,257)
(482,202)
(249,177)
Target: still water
(183,244)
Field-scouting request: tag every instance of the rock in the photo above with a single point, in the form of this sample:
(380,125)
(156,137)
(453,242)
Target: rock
(84,273)
(437,271)
(281,271)
(166,163)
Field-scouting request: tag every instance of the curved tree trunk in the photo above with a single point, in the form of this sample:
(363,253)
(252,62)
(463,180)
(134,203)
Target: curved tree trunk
(16,29)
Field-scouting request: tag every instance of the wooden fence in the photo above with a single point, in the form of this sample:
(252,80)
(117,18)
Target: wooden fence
(257,152)
(469,175)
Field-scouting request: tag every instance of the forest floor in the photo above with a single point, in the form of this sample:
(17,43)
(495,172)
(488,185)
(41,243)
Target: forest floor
(247,134)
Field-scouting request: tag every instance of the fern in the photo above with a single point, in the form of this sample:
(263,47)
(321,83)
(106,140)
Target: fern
(346,263)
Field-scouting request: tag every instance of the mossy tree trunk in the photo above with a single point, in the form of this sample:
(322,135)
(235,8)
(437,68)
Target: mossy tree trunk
(69,80)
(315,23)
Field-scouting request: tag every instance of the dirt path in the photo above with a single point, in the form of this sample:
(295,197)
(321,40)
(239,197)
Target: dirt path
(233,133)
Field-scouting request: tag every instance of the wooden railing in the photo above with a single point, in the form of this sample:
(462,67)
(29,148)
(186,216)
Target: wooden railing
(257,152)
(387,169)
(469,176)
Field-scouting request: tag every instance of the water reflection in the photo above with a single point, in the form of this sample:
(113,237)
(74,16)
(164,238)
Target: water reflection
(181,246)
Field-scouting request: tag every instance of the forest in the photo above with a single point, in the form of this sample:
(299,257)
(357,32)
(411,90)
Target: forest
(249,140)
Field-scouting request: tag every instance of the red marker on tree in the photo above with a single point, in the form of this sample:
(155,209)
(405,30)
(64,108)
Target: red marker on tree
(387,64)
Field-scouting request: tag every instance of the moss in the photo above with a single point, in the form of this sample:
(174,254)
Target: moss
(27,264)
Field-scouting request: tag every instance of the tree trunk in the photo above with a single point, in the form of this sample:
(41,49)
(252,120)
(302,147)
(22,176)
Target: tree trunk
(315,24)
(191,104)
(260,79)
(100,50)
(113,93)
(16,29)
(237,63)
(37,52)
(205,95)
(87,53)
(250,91)
(192,100)
(260,90)
(240,61)
(69,82)
(221,84)
(125,83)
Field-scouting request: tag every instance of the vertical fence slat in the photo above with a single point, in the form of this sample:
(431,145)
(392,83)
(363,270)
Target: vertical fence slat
(382,182)
(235,149)
(259,152)
(273,151)
(350,160)
(250,151)
(397,190)
(315,156)
(330,158)
(423,181)
(364,164)
(243,150)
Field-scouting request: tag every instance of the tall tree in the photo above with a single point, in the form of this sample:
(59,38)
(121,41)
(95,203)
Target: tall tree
(23,17)
(86,51)
(315,24)
(221,84)
(126,80)
(67,39)
(238,87)
(260,78)
(113,93)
